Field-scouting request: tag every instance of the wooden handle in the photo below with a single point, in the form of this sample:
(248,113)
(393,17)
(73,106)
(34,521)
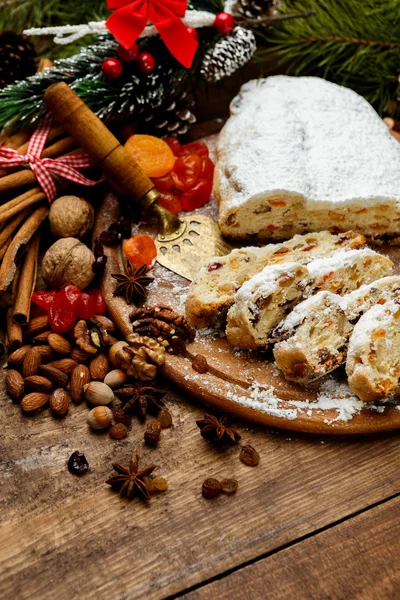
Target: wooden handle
(98,141)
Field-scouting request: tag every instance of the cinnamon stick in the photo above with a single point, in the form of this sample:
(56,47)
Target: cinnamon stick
(10,227)
(27,176)
(14,331)
(19,203)
(4,247)
(27,282)
(23,235)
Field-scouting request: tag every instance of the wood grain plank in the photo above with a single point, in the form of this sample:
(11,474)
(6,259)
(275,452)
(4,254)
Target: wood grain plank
(357,559)
(68,538)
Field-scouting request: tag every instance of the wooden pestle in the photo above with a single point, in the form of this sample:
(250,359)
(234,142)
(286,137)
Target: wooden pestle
(94,137)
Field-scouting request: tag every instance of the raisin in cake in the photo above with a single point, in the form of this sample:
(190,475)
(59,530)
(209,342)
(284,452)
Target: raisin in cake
(373,358)
(262,301)
(301,353)
(302,154)
(213,290)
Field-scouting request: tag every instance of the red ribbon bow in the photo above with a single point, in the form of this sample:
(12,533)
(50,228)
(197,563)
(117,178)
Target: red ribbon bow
(64,166)
(130,18)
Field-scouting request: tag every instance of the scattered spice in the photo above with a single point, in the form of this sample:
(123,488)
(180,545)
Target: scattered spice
(132,284)
(165,418)
(215,429)
(229,486)
(152,433)
(200,364)
(249,456)
(141,399)
(78,464)
(118,431)
(130,481)
(211,488)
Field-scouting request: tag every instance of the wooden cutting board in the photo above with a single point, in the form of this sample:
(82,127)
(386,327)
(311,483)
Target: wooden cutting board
(234,379)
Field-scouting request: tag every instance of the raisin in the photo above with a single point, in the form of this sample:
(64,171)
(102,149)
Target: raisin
(77,464)
(152,433)
(229,486)
(211,488)
(121,416)
(214,266)
(164,416)
(199,364)
(118,431)
(249,456)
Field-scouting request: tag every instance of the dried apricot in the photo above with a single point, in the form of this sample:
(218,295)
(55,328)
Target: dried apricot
(153,155)
(140,250)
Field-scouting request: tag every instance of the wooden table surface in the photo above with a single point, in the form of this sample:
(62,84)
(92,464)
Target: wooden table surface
(318,518)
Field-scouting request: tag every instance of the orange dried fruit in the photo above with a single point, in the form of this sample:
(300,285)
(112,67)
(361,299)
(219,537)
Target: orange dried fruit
(140,250)
(153,155)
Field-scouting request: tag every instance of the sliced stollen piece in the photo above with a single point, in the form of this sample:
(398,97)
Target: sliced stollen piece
(373,358)
(303,154)
(293,334)
(263,301)
(319,342)
(213,290)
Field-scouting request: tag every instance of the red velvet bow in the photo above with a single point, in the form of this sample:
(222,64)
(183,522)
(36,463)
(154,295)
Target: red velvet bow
(130,18)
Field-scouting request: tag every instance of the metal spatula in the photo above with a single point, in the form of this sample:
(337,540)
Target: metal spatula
(184,244)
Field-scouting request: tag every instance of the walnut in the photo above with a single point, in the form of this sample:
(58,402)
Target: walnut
(68,261)
(71,216)
(147,356)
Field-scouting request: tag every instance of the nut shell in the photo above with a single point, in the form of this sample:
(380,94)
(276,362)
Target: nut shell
(100,417)
(71,216)
(115,379)
(98,393)
(68,261)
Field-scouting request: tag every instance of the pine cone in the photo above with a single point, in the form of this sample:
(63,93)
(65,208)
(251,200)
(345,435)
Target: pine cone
(16,58)
(228,54)
(255,9)
(172,118)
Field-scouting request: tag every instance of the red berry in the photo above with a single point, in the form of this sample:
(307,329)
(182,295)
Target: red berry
(207,169)
(146,62)
(63,312)
(92,304)
(44,299)
(163,183)
(170,202)
(173,143)
(186,171)
(111,68)
(193,32)
(197,196)
(128,55)
(194,148)
(224,22)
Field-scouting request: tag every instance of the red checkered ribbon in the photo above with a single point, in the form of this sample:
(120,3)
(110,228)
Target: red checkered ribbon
(64,166)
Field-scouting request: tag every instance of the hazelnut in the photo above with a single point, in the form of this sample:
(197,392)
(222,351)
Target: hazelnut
(68,261)
(100,417)
(98,393)
(71,216)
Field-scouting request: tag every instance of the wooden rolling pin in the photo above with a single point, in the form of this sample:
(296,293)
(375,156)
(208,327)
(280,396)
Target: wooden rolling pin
(101,145)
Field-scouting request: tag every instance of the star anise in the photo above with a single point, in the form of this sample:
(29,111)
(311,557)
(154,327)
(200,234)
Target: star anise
(130,481)
(132,284)
(214,429)
(141,399)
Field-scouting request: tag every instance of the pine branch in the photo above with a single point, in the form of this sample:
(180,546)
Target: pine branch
(356,44)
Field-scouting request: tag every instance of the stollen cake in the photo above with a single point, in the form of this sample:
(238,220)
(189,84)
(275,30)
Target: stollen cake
(212,291)
(262,301)
(302,154)
(373,358)
(302,353)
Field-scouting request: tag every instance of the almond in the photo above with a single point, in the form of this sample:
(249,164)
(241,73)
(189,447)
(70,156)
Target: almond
(15,359)
(99,367)
(79,378)
(103,321)
(36,383)
(15,384)
(59,402)
(59,344)
(37,325)
(34,401)
(66,365)
(42,337)
(31,362)
(57,377)
(46,353)
(80,355)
